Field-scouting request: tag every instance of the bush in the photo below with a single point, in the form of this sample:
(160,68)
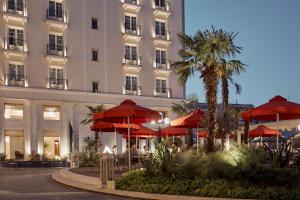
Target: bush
(2,157)
(238,173)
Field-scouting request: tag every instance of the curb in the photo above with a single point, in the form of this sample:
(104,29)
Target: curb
(92,184)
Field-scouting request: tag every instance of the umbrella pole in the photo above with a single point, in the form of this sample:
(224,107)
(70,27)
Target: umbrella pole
(128,148)
(277,137)
(197,141)
(173,138)
(116,149)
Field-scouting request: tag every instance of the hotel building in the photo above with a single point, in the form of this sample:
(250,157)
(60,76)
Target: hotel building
(58,56)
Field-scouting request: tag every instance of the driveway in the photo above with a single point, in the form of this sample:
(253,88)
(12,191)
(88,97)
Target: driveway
(34,184)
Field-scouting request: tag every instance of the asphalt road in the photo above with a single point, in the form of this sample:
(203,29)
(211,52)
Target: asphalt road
(35,184)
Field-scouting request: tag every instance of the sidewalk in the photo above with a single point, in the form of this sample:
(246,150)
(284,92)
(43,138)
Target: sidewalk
(92,184)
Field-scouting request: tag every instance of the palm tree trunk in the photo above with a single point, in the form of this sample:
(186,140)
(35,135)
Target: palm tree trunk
(225,96)
(246,130)
(97,140)
(211,88)
(190,138)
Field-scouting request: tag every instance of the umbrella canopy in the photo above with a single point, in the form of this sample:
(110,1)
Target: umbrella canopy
(172,131)
(144,131)
(263,131)
(278,105)
(192,120)
(203,134)
(128,108)
(111,127)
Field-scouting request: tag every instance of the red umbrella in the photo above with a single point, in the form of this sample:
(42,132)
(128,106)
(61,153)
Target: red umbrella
(112,127)
(263,131)
(203,134)
(172,131)
(278,108)
(128,112)
(192,120)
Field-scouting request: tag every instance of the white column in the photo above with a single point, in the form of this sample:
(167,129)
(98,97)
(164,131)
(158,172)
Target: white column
(2,137)
(67,118)
(40,128)
(76,125)
(34,130)
(27,128)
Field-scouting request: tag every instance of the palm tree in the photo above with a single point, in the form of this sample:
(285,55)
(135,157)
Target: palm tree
(89,119)
(203,52)
(183,109)
(227,70)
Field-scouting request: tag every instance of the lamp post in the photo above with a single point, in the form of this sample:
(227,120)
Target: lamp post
(162,123)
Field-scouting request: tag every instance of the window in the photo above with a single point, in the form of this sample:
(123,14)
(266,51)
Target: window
(55,10)
(13,111)
(15,5)
(55,42)
(130,23)
(94,23)
(130,53)
(15,76)
(95,87)
(94,55)
(15,37)
(131,83)
(160,28)
(51,113)
(160,57)
(160,3)
(56,78)
(161,85)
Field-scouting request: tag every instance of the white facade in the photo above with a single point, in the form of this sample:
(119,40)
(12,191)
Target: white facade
(59,56)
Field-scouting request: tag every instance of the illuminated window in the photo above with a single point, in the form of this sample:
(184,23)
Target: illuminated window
(51,113)
(13,111)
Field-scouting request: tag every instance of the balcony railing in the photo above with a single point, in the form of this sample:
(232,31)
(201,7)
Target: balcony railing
(57,50)
(132,59)
(165,65)
(14,44)
(15,80)
(163,92)
(165,7)
(133,30)
(55,15)
(59,84)
(133,2)
(14,8)
(132,89)
(166,36)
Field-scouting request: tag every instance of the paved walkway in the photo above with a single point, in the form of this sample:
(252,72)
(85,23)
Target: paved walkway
(35,184)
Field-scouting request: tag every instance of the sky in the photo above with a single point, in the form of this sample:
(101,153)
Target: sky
(269,32)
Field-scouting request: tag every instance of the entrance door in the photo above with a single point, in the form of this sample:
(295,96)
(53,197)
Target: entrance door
(51,145)
(14,145)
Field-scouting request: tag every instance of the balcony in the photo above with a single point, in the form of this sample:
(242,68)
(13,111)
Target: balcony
(15,48)
(14,12)
(133,34)
(57,19)
(132,63)
(162,68)
(16,80)
(132,90)
(132,6)
(162,92)
(57,53)
(163,40)
(162,11)
(57,84)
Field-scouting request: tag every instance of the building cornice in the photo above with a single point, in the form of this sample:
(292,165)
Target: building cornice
(82,97)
